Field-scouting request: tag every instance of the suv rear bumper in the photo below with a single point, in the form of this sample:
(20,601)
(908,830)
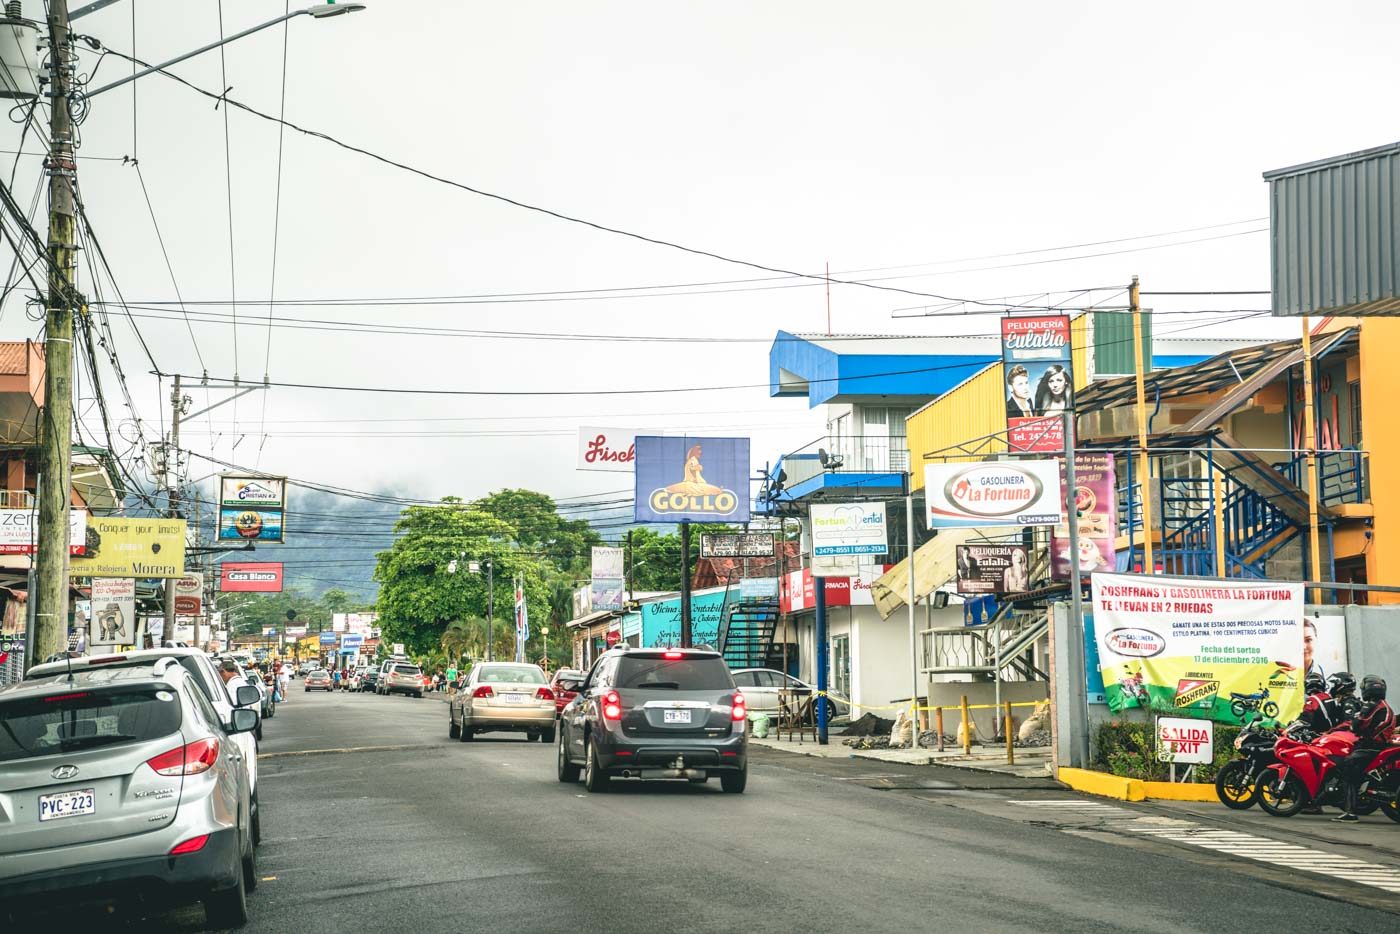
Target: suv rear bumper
(718,754)
(151,879)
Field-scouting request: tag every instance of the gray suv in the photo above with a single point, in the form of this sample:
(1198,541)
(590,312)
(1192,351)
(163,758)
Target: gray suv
(656,713)
(121,783)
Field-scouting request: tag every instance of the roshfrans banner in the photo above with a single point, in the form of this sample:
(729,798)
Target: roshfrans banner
(252,508)
(18,528)
(699,479)
(132,548)
(251,577)
(849,529)
(1227,650)
(993,493)
(1035,353)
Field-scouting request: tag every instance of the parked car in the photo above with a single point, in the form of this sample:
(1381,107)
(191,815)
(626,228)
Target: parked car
(268,703)
(307,667)
(369,680)
(201,667)
(656,713)
(317,679)
(502,696)
(122,784)
(402,678)
(565,684)
(761,687)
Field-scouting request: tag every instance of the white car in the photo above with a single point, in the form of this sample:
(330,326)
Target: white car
(202,668)
(761,687)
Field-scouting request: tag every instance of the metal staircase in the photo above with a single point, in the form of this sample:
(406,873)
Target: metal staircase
(1254,529)
(746,632)
(1003,645)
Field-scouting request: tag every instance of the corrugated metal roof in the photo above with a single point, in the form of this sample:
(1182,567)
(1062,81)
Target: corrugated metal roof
(1333,234)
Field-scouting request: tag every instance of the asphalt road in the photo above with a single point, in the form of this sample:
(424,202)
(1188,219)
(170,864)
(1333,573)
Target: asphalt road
(374,821)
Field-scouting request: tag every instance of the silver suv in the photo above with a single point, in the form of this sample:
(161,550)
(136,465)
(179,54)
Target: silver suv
(123,783)
(402,678)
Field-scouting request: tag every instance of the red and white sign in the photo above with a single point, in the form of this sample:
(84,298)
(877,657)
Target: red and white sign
(251,577)
(613,637)
(189,595)
(608,449)
(798,590)
(18,528)
(1190,742)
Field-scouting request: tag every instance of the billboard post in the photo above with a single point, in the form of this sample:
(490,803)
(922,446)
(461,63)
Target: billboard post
(1076,581)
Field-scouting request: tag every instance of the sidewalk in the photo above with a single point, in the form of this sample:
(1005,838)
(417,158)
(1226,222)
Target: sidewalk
(1033,762)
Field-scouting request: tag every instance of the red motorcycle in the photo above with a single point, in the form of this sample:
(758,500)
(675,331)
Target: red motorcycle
(1310,773)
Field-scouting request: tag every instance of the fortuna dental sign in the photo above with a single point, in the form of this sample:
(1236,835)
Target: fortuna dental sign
(1005,493)
(853,529)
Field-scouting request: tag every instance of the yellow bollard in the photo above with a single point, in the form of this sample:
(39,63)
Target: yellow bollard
(938,719)
(966,729)
(1010,740)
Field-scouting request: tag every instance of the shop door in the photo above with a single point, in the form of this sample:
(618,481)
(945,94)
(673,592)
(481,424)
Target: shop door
(841,665)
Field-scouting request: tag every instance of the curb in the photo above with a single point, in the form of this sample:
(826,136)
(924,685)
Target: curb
(1105,785)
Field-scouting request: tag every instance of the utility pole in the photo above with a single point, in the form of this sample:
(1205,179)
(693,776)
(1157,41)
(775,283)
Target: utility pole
(56,444)
(177,405)
(685,585)
(490,609)
(1144,462)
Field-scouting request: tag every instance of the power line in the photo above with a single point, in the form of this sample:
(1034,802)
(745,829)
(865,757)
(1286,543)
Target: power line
(549,212)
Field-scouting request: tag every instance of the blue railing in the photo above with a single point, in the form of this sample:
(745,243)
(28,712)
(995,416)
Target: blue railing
(1341,476)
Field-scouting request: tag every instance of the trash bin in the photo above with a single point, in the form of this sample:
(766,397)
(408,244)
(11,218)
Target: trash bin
(758,725)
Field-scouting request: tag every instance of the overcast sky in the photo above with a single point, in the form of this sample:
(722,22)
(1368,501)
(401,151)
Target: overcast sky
(788,133)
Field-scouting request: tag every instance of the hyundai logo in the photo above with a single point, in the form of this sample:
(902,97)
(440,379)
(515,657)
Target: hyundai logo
(65,772)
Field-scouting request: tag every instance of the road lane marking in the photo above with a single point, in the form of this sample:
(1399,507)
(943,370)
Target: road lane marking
(1234,843)
(345,749)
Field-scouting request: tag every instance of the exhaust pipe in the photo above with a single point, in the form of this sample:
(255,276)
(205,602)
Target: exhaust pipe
(626,773)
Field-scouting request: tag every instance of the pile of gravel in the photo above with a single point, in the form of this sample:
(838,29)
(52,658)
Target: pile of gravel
(1037,738)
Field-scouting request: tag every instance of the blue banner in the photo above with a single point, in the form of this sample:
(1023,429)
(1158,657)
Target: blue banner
(700,479)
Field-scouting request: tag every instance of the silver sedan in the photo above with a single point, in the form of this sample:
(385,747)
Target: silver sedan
(503,696)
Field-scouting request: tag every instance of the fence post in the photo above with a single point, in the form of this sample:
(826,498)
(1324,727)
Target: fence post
(938,726)
(1010,740)
(966,729)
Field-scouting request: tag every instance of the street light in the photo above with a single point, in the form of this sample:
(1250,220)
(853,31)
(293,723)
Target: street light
(475,568)
(315,12)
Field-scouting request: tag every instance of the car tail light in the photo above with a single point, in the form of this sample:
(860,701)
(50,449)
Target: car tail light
(739,711)
(484,691)
(106,659)
(192,759)
(673,655)
(544,694)
(192,845)
(612,706)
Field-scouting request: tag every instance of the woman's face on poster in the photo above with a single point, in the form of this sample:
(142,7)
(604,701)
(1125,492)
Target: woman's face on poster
(1057,383)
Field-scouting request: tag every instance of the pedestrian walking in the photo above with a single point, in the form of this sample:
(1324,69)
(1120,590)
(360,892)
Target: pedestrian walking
(284,677)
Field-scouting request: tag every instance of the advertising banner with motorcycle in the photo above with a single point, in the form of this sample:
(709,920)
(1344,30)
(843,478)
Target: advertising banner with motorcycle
(1229,651)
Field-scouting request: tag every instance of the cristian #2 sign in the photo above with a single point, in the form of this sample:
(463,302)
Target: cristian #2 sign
(993,493)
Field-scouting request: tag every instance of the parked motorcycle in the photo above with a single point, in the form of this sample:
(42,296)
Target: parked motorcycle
(1240,704)
(1237,782)
(1310,773)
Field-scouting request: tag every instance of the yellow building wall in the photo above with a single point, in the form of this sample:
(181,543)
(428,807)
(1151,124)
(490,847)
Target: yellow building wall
(975,408)
(1380,387)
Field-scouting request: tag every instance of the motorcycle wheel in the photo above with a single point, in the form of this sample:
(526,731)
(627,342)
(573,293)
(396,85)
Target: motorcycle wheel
(1237,708)
(1270,709)
(1233,786)
(1283,799)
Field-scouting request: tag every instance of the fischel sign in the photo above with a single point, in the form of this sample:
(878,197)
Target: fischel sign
(1004,493)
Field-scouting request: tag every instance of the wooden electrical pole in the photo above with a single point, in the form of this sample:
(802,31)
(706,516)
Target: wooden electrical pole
(56,426)
(172,487)
(1144,462)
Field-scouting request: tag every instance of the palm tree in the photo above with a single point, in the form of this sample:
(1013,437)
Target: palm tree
(459,638)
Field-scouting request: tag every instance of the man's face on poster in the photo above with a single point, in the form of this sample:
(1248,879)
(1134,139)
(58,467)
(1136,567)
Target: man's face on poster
(1021,387)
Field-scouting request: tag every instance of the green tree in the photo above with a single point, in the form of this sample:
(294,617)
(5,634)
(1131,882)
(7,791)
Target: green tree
(424,579)
(566,543)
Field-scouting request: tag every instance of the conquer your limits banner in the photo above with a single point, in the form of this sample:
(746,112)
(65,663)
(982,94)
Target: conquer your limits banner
(1223,650)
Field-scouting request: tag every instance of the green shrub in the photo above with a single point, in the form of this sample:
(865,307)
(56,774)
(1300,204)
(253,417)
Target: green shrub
(1129,749)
